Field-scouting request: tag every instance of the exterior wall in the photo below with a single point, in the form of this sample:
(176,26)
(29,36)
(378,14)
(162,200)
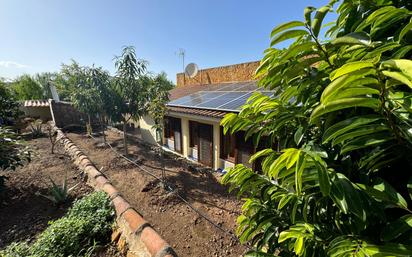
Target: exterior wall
(230,73)
(38,112)
(149,136)
(64,114)
(146,130)
(223,164)
(185,135)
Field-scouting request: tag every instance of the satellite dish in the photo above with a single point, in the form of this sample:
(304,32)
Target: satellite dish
(191,70)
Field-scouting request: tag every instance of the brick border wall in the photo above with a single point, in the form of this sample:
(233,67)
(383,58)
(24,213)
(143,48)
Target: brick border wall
(142,240)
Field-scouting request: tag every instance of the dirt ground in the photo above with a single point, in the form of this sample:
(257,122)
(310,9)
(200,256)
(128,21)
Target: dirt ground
(24,211)
(188,233)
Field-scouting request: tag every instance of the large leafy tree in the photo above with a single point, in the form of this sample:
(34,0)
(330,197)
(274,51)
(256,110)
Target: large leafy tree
(92,94)
(337,179)
(9,107)
(68,79)
(26,88)
(132,87)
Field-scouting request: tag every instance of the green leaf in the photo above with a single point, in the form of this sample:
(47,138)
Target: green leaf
(401,52)
(259,154)
(287,35)
(365,141)
(356,80)
(389,249)
(399,77)
(345,103)
(298,135)
(285,26)
(298,246)
(399,69)
(359,131)
(383,191)
(347,125)
(354,38)
(405,30)
(317,21)
(397,228)
(350,67)
(324,181)
(307,14)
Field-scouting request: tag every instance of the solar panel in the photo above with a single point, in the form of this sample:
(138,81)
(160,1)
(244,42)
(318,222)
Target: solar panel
(235,104)
(226,97)
(216,102)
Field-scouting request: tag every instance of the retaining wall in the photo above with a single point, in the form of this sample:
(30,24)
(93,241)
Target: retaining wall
(134,235)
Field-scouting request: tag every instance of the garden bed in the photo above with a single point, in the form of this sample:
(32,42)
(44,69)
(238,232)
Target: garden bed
(187,232)
(24,210)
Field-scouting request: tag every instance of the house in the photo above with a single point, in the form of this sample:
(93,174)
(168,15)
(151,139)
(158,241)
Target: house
(197,105)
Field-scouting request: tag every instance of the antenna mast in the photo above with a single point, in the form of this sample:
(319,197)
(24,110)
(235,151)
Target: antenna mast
(182,53)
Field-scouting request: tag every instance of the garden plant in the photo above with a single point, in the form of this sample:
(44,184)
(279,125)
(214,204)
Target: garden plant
(336,178)
(87,223)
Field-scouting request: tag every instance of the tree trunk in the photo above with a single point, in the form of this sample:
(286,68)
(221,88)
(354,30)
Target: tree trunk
(159,135)
(125,138)
(103,128)
(89,125)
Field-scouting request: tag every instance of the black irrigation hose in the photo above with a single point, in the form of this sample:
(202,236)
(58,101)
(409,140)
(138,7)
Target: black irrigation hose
(176,193)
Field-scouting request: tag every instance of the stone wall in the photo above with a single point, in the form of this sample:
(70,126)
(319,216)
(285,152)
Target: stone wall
(230,73)
(64,114)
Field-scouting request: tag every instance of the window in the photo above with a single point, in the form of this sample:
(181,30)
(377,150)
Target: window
(227,146)
(193,134)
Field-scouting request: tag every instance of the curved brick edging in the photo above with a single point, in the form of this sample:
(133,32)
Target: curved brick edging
(142,240)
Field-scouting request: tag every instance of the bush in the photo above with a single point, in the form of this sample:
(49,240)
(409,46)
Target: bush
(335,180)
(88,222)
(20,249)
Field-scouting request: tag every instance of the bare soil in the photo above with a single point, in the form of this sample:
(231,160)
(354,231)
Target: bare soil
(187,232)
(24,211)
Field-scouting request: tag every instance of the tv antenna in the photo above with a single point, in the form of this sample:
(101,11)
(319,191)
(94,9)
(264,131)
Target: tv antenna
(181,53)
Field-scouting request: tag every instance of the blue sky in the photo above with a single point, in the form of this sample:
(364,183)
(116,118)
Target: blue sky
(40,35)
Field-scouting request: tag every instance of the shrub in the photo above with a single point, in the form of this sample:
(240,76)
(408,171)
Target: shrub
(335,179)
(88,222)
(20,249)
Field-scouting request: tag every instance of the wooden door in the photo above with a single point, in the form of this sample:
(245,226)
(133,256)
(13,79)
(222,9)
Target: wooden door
(205,151)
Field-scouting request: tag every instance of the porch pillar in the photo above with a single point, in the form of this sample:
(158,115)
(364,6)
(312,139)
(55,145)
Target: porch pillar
(185,137)
(216,146)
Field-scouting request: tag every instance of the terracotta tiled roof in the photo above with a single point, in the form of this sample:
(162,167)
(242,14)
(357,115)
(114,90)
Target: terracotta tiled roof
(36,103)
(200,112)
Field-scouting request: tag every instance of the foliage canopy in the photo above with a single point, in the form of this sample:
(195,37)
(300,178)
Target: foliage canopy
(336,181)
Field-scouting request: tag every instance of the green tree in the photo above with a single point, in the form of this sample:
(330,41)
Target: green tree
(9,107)
(45,79)
(132,87)
(157,109)
(26,88)
(91,94)
(159,97)
(68,78)
(337,180)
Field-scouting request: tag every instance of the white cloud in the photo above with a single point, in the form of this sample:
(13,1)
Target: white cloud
(10,64)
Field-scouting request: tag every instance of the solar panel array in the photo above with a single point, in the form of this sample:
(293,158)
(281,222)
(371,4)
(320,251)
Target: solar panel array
(225,98)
